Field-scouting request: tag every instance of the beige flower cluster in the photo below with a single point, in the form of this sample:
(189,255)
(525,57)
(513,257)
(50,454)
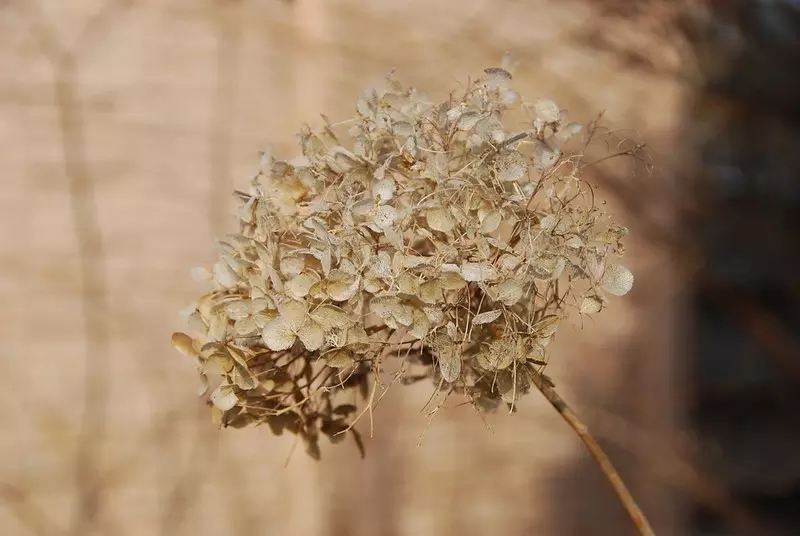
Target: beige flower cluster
(431,234)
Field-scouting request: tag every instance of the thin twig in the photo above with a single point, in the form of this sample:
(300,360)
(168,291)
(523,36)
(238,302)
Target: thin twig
(625,497)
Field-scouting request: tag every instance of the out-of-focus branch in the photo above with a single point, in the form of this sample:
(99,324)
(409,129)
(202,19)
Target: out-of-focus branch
(94,303)
(29,515)
(675,469)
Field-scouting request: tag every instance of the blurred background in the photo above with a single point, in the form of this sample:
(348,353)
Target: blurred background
(126,124)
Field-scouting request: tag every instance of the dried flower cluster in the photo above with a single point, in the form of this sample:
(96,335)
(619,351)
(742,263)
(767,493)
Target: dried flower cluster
(433,234)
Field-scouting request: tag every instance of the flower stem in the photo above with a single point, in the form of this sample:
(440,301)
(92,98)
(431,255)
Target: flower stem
(546,387)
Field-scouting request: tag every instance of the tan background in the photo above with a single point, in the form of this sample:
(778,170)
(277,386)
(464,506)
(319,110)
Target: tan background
(124,128)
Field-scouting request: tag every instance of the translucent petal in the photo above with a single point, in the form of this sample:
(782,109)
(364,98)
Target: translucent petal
(245,326)
(200,274)
(330,316)
(468,120)
(343,289)
(293,313)
(219,364)
(617,280)
(547,326)
(277,336)
(292,265)
(403,314)
(311,335)
(511,166)
(508,262)
(385,216)
(203,388)
(544,157)
(408,284)
(357,337)
(508,292)
(243,378)
(452,281)
(472,271)
(262,318)
(548,111)
(568,131)
(486,317)
(412,261)
(431,291)
(384,306)
(224,275)
(394,237)
(434,314)
(420,324)
(238,309)
(224,397)
(258,304)
(491,221)
(449,364)
(439,219)
(383,190)
(591,305)
(217,327)
(184,344)
(339,359)
(299,286)
(497,78)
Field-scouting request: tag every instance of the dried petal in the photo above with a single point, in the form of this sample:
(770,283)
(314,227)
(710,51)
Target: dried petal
(311,335)
(449,365)
(472,271)
(277,335)
(548,111)
(420,324)
(385,216)
(383,190)
(184,344)
(339,359)
(547,326)
(487,317)
(491,221)
(224,398)
(293,313)
(510,166)
(299,286)
(292,266)
(591,305)
(330,316)
(440,219)
(617,280)
(508,292)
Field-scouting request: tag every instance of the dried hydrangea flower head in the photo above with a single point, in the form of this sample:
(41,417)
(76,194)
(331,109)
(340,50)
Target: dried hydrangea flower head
(430,234)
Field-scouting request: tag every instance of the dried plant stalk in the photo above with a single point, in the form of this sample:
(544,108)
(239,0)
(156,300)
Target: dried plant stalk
(547,389)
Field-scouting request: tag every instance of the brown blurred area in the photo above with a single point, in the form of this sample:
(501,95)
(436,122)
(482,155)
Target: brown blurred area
(125,125)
